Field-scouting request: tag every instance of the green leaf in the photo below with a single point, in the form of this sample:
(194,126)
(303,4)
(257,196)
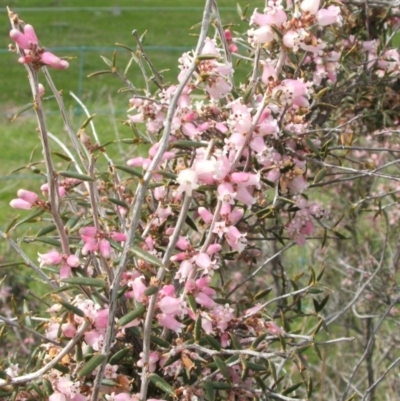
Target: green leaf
(258,340)
(222,367)
(62,156)
(317,351)
(148,257)
(320,175)
(73,174)
(312,277)
(48,240)
(192,302)
(119,356)
(312,146)
(46,230)
(213,343)
(153,289)
(72,222)
(91,365)
(221,385)
(318,306)
(102,72)
(29,218)
(119,202)
(72,308)
(62,368)
(161,384)
(300,350)
(283,342)
(309,387)
(89,281)
(272,369)
(107,61)
(132,171)
(317,329)
(291,388)
(160,341)
(188,144)
(78,352)
(191,223)
(256,367)
(210,393)
(197,329)
(262,294)
(239,10)
(235,342)
(132,315)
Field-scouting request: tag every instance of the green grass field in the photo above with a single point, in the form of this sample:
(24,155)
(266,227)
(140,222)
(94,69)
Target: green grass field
(77,30)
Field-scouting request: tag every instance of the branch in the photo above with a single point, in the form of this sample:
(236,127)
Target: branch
(39,373)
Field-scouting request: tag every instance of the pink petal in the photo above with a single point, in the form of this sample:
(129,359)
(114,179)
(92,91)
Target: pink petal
(20,204)
(53,61)
(27,196)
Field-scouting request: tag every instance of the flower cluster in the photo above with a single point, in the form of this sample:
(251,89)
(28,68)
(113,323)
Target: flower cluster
(33,53)
(171,299)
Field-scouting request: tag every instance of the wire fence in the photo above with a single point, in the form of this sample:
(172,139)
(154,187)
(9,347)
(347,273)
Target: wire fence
(80,53)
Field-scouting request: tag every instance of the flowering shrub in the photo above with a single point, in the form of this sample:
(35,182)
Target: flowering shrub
(159,268)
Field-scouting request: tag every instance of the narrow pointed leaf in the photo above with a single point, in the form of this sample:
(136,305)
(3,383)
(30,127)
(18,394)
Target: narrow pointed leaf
(146,256)
(91,365)
(73,174)
(88,281)
(162,384)
(132,315)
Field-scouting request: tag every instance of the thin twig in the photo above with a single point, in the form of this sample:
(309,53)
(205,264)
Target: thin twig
(39,373)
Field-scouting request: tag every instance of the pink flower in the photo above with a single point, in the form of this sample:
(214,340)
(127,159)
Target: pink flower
(118,237)
(188,181)
(105,248)
(204,300)
(26,200)
(274,16)
(26,40)
(95,339)
(218,87)
(226,193)
(183,243)
(68,329)
(274,329)
(171,305)
(20,204)
(153,359)
(236,240)
(209,47)
(185,269)
(138,289)
(50,258)
(101,320)
(310,5)
(214,248)
(329,16)
(45,190)
(120,397)
(27,196)
(69,388)
(269,72)
(73,261)
(245,179)
(169,322)
(262,35)
(53,61)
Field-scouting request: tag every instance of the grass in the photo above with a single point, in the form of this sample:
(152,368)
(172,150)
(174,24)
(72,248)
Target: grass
(78,32)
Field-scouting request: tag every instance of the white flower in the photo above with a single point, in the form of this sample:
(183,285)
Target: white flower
(188,181)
